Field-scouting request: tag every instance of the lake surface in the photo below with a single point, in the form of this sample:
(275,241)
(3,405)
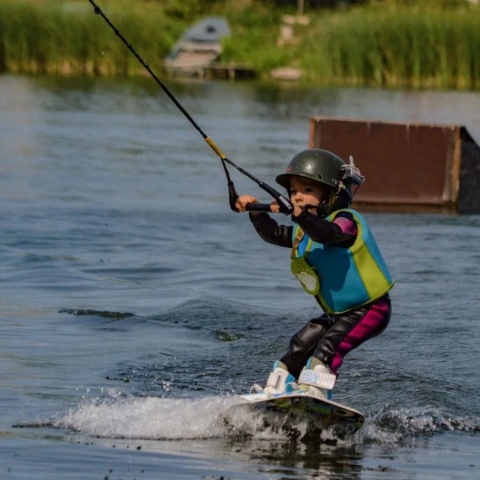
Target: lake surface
(135,306)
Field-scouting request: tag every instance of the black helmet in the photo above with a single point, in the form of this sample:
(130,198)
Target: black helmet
(320,165)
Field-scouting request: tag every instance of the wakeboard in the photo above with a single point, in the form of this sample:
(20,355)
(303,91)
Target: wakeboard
(322,413)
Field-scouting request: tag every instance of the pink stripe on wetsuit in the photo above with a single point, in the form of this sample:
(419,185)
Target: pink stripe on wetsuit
(371,325)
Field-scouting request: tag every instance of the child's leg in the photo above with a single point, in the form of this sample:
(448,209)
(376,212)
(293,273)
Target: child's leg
(301,347)
(304,342)
(350,330)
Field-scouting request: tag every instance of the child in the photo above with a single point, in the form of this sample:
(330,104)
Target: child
(336,259)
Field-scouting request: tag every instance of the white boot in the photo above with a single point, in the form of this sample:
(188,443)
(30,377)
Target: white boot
(317,379)
(279,381)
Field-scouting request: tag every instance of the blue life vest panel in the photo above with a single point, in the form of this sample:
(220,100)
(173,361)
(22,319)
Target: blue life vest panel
(349,277)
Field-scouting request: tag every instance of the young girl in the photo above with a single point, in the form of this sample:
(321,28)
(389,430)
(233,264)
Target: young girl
(336,259)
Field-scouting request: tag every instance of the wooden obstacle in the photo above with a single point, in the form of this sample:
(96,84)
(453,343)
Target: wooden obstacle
(408,167)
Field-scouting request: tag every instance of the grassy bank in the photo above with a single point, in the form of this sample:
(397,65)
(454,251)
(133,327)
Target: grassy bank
(380,44)
(413,47)
(60,37)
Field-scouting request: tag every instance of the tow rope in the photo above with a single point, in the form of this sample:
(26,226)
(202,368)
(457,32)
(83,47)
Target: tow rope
(284,204)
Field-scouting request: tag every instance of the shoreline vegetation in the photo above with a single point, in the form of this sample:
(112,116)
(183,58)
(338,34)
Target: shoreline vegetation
(389,43)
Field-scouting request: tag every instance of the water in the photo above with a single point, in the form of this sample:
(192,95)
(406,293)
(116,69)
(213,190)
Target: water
(135,305)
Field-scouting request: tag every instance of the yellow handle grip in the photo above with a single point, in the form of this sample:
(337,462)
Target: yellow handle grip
(214,147)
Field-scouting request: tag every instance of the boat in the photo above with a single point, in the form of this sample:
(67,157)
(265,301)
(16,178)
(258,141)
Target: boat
(198,48)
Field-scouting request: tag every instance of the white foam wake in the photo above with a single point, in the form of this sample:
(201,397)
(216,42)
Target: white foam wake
(151,418)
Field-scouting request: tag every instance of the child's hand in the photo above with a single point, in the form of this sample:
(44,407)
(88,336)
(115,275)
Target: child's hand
(297,210)
(242,202)
(275,207)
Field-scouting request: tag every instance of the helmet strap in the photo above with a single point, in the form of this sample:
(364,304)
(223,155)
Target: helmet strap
(326,205)
(331,200)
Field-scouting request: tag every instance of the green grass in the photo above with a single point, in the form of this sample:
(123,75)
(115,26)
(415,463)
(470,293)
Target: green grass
(390,43)
(396,47)
(58,37)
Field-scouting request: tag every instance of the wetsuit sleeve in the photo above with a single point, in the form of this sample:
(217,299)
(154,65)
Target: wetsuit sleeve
(270,231)
(342,232)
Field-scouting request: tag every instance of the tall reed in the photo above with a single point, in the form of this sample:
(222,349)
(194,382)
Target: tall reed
(52,36)
(389,43)
(410,47)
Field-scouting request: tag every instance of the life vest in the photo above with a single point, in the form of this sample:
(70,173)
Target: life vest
(341,279)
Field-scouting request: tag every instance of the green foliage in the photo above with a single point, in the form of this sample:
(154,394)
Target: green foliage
(435,4)
(254,37)
(395,46)
(394,43)
(184,10)
(67,38)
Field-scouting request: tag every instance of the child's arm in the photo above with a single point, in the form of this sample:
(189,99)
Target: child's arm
(342,232)
(270,231)
(266,227)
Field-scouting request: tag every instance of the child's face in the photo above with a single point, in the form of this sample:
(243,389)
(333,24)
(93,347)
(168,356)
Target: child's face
(304,191)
